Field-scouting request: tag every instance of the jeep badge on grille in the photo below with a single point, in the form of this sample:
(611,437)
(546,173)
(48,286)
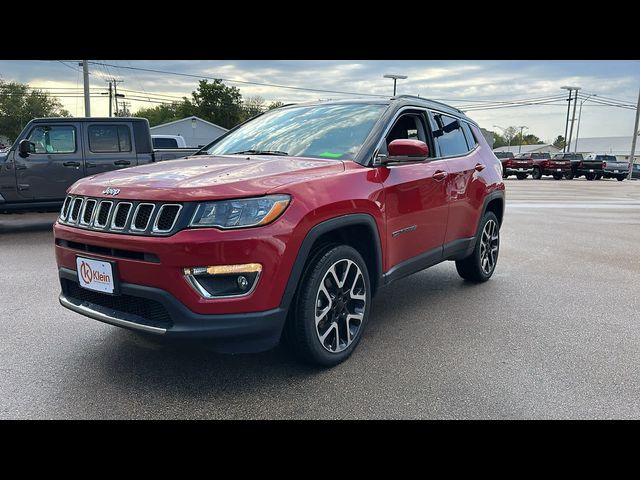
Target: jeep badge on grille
(111,191)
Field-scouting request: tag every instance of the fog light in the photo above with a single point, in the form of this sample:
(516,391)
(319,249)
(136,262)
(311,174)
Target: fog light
(223,280)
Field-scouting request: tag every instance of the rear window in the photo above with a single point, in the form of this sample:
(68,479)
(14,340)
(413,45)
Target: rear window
(504,154)
(606,158)
(539,156)
(109,138)
(165,143)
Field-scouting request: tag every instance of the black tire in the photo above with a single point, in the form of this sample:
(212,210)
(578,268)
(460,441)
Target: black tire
(598,177)
(521,176)
(569,176)
(537,174)
(504,175)
(557,176)
(471,268)
(590,176)
(301,334)
(620,179)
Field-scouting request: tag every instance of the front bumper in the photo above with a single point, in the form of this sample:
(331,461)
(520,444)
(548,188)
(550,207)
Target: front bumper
(156,311)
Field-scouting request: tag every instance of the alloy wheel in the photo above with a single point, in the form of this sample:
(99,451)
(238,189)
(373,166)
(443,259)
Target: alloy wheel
(489,243)
(340,305)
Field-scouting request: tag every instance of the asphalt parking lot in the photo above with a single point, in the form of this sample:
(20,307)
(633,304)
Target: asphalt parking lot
(554,334)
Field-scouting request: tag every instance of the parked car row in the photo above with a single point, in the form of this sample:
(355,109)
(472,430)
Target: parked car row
(563,165)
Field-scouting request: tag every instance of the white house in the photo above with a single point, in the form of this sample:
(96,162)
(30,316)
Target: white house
(195,131)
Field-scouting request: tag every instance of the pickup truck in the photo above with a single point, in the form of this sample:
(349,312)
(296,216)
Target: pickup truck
(611,167)
(51,154)
(543,164)
(591,169)
(520,167)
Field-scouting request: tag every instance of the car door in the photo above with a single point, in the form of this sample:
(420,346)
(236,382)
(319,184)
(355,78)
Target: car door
(455,142)
(109,146)
(415,197)
(54,163)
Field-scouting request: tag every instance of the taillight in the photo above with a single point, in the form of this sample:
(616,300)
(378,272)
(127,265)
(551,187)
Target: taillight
(508,163)
(604,164)
(580,165)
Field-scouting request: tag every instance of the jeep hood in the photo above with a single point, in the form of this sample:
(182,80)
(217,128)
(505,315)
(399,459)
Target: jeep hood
(206,177)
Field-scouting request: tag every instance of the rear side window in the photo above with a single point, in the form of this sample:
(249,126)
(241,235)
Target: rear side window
(109,138)
(165,143)
(468,133)
(53,139)
(448,135)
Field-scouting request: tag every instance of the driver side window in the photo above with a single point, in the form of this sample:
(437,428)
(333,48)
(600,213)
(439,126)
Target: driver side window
(53,139)
(407,126)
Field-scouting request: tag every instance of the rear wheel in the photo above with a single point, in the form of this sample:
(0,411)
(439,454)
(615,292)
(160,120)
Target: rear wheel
(521,176)
(480,265)
(621,178)
(590,176)
(332,307)
(557,176)
(569,176)
(598,177)
(537,174)
(504,175)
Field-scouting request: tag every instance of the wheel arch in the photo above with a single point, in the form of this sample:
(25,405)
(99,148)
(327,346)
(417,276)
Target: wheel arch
(359,230)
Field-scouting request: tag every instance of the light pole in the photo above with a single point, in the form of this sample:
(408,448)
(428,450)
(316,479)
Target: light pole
(566,125)
(504,131)
(522,127)
(395,79)
(575,147)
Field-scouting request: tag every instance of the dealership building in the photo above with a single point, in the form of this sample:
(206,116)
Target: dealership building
(195,131)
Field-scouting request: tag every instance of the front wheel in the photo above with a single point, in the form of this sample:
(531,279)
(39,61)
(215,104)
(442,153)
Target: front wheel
(331,308)
(479,266)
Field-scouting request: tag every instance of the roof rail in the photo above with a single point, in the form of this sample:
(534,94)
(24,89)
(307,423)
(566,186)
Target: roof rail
(427,100)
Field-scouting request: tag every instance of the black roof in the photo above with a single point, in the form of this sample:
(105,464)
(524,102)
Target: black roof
(88,119)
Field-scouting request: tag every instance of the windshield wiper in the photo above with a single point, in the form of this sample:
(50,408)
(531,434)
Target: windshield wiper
(259,152)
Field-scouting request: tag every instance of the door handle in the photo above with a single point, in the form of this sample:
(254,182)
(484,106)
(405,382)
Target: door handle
(440,175)
(89,165)
(71,164)
(479,167)
(122,162)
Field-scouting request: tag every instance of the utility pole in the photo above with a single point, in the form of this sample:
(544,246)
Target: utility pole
(87,101)
(110,97)
(573,117)
(566,125)
(116,94)
(575,147)
(635,138)
(521,140)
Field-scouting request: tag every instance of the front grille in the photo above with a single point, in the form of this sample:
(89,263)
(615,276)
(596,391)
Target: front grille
(121,215)
(87,213)
(75,209)
(126,216)
(167,217)
(142,216)
(149,312)
(103,214)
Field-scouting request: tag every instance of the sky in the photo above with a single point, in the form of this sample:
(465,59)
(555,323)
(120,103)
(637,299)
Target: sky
(468,85)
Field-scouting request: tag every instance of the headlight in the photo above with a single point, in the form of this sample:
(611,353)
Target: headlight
(240,213)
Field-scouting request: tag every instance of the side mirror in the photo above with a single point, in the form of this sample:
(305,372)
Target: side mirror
(407,150)
(25,147)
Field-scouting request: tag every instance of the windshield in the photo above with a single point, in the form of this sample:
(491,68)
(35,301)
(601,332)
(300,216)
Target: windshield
(320,131)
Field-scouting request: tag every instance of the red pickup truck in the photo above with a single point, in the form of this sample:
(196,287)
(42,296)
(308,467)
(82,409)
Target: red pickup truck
(286,226)
(520,167)
(543,165)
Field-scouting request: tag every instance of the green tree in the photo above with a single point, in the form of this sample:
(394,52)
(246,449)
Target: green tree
(19,104)
(253,106)
(217,103)
(167,112)
(559,142)
(276,104)
(531,140)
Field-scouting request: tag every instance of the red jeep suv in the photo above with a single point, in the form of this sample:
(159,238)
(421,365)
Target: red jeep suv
(286,226)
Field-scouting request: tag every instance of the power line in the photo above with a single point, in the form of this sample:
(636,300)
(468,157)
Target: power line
(243,81)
